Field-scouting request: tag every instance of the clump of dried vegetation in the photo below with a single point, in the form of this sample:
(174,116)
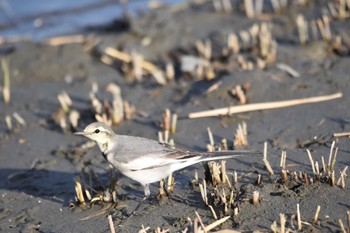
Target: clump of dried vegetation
(223,197)
(111,112)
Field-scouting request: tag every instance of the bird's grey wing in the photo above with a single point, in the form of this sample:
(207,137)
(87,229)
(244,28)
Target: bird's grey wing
(142,153)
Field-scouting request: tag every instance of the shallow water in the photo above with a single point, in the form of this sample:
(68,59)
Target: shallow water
(40,19)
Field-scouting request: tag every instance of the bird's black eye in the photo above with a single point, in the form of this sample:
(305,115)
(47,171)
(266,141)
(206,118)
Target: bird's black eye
(97,131)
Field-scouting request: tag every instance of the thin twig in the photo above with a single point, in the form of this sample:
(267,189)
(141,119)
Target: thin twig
(311,161)
(6,75)
(111,225)
(62,40)
(299,218)
(266,162)
(263,106)
(316,214)
(344,134)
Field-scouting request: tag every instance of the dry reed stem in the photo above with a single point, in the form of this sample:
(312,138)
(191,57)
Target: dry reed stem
(196,176)
(166,119)
(342,173)
(96,104)
(213,87)
(19,119)
(323,164)
(241,135)
(316,214)
(235,211)
(284,176)
(342,179)
(161,191)
(334,158)
(266,162)
(302,29)
(235,177)
(344,134)
(283,159)
(88,195)
(305,178)
(239,94)
(118,54)
(263,106)
(117,103)
(255,197)
(265,40)
(273,227)
(111,225)
(330,155)
(79,191)
(317,168)
(136,65)
(213,212)
(224,145)
(200,222)
(216,223)
(6,75)
(144,230)
(74,118)
(210,148)
(215,172)
(311,161)
(223,171)
(233,43)
(170,71)
(288,69)
(128,110)
(65,101)
(249,8)
(170,183)
(173,123)
(342,226)
(106,60)
(203,193)
(62,40)
(8,122)
(283,222)
(147,66)
(166,136)
(258,181)
(211,138)
(333,178)
(299,218)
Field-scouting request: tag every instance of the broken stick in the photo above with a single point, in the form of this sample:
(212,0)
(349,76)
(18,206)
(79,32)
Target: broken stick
(262,106)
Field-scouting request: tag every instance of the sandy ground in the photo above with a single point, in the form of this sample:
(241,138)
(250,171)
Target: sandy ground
(38,168)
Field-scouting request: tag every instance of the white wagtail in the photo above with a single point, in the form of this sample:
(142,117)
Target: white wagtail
(144,160)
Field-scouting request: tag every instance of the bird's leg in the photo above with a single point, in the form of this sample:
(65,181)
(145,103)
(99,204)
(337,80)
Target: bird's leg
(172,196)
(147,194)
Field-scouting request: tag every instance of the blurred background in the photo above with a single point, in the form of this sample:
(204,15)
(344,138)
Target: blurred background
(40,19)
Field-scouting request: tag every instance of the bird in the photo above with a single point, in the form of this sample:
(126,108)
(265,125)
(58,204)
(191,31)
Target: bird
(145,160)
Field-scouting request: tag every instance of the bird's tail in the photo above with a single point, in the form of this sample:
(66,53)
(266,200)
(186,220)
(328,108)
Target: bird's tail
(219,155)
(196,157)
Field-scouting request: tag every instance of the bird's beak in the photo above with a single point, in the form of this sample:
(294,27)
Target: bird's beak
(80,133)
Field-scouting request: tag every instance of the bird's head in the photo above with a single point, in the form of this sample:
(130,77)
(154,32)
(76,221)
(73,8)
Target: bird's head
(98,132)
